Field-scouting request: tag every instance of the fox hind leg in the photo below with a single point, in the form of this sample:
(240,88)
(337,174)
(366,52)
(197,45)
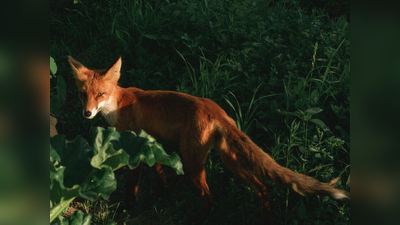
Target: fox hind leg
(161,179)
(132,186)
(133,181)
(194,158)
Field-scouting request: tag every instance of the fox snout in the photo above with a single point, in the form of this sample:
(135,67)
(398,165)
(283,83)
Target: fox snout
(87,114)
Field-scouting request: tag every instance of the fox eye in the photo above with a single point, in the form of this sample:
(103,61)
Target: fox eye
(100,94)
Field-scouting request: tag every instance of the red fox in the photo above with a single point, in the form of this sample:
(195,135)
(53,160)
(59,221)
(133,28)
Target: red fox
(196,124)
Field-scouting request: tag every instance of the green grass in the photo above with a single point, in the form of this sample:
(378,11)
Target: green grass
(280,69)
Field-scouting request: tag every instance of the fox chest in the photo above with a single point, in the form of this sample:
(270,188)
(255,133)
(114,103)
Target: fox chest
(110,114)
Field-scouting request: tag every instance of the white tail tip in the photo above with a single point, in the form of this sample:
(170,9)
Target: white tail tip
(339,195)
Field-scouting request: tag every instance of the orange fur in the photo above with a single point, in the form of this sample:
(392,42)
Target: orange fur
(196,124)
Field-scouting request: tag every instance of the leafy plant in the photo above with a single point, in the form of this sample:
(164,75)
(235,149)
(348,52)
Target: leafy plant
(57,99)
(77,218)
(78,170)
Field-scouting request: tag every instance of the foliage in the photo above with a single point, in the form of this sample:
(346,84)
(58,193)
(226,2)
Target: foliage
(53,67)
(77,218)
(77,170)
(281,69)
(58,98)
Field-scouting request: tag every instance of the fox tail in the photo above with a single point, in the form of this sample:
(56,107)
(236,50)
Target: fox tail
(246,159)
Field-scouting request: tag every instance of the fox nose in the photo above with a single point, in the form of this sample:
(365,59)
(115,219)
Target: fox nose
(87,114)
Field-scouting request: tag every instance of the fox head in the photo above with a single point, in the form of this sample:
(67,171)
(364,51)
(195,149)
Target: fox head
(96,87)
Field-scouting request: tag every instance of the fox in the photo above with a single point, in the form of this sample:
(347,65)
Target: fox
(196,124)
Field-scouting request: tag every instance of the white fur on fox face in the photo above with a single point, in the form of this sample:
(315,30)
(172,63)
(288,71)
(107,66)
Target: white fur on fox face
(109,111)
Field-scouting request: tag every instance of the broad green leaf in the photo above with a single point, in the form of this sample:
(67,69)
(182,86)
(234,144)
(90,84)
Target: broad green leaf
(320,166)
(151,36)
(314,96)
(54,156)
(99,183)
(105,154)
(117,149)
(78,218)
(75,156)
(320,124)
(59,208)
(53,66)
(313,111)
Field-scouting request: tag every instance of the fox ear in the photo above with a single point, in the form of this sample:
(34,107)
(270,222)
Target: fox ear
(77,69)
(114,72)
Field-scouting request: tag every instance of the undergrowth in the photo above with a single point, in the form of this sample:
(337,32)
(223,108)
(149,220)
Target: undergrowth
(280,69)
